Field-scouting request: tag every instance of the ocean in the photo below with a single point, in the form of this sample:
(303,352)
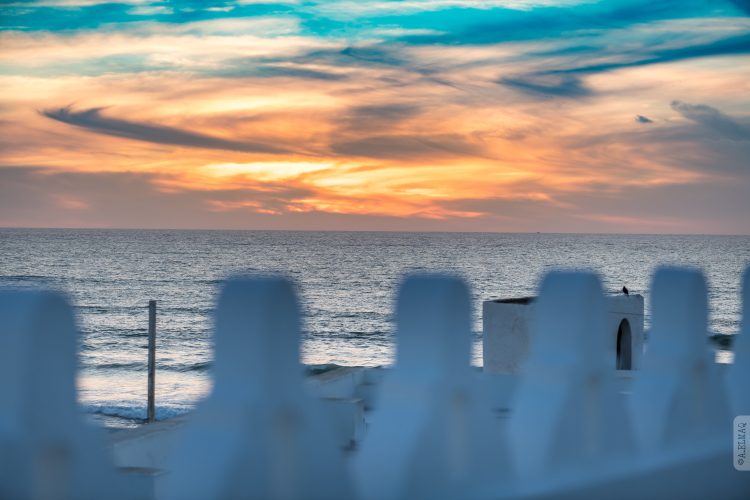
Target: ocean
(347,282)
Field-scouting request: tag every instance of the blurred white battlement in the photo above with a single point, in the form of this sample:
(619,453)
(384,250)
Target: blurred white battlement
(552,421)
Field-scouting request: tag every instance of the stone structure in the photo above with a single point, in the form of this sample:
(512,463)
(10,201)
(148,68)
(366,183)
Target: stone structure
(508,323)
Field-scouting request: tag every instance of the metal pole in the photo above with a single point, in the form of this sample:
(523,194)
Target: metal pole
(151,358)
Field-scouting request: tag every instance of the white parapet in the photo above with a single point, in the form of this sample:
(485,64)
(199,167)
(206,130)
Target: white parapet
(569,421)
(258,434)
(433,434)
(46,449)
(433,430)
(738,378)
(679,400)
(508,326)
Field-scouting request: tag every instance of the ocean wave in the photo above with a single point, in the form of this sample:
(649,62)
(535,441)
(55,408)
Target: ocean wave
(12,277)
(135,365)
(139,310)
(133,332)
(321,368)
(191,367)
(137,413)
(142,366)
(213,281)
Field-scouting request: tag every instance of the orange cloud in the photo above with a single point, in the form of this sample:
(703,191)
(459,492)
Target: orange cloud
(428,133)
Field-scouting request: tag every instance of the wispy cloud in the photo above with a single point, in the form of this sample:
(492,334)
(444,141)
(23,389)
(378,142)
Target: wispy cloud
(92,119)
(543,22)
(91,194)
(379,117)
(742,4)
(565,86)
(436,114)
(733,45)
(408,147)
(713,120)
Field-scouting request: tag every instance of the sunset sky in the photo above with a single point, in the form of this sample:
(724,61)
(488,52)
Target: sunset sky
(456,115)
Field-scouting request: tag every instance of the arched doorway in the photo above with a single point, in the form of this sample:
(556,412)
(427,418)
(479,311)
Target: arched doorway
(624,349)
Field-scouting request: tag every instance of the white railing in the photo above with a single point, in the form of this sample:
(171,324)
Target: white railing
(571,431)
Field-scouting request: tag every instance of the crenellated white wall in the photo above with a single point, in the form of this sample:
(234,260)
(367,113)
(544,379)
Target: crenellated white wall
(435,427)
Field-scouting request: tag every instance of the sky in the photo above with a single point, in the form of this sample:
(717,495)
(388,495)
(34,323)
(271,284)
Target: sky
(625,116)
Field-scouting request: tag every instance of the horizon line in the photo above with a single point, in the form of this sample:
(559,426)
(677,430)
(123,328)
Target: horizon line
(100,228)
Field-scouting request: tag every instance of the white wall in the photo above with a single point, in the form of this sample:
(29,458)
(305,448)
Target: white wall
(507,331)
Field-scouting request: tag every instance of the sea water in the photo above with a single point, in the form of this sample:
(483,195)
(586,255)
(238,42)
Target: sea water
(347,283)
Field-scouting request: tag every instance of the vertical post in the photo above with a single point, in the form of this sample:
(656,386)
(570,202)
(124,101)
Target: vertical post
(151,413)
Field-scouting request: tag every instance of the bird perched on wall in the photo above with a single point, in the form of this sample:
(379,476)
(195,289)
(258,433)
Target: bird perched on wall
(625,290)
